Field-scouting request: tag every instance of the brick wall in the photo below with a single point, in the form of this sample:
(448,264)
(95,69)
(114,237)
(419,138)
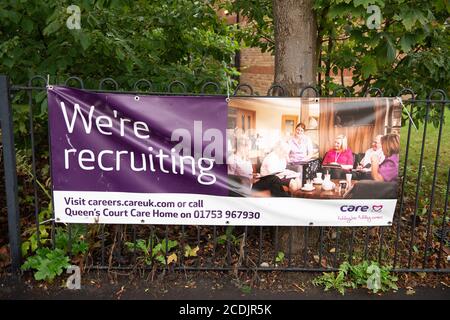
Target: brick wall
(257,69)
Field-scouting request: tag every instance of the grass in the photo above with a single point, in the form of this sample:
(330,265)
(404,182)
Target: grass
(429,158)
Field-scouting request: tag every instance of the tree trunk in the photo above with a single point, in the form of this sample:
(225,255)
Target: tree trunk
(295,68)
(295,44)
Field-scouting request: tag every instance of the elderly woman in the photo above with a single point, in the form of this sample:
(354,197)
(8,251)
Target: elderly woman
(239,163)
(341,154)
(273,166)
(387,170)
(301,145)
(240,169)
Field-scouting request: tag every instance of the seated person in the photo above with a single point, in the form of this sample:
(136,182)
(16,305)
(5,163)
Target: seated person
(340,155)
(273,170)
(340,158)
(387,171)
(301,145)
(375,149)
(239,163)
(240,169)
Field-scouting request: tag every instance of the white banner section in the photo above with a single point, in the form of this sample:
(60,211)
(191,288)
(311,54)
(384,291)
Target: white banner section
(195,209)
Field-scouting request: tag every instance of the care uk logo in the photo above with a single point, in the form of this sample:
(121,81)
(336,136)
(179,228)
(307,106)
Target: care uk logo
(351,208)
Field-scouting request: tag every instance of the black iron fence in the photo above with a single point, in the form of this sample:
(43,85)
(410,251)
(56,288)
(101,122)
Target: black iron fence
(418,239)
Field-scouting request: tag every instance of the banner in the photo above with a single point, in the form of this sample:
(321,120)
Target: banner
(143,159)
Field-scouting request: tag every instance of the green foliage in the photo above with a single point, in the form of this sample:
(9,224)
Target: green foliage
(228,236)
(151,250)
(127,40)
(246,289)
(21,121)
(48,263)
(77,241)
(259,27)
(410,49)
(190,252)
(370,276)
(31,243)
(280,257)
(427,173)
(334,281)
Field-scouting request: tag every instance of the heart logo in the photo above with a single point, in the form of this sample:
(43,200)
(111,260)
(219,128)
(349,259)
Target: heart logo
(377,208)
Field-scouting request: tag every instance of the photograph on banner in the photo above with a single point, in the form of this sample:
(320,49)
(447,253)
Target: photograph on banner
(322,148)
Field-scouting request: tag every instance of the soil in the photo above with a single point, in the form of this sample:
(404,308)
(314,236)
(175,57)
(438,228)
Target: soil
(204,285)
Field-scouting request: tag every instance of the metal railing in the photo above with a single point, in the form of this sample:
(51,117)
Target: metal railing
(416,241)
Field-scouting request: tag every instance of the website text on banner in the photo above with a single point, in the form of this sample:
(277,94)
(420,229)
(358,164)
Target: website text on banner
(121,158)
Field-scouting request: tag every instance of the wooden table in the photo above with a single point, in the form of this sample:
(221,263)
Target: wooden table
(319,193)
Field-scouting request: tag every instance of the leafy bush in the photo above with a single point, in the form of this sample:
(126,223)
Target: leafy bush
(78,245)
(156,40)
(48,263)
(365,275)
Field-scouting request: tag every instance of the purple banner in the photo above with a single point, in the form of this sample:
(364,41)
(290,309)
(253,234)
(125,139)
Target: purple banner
(143,159)
(128,143)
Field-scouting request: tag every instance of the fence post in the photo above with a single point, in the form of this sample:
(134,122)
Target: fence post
(9,159)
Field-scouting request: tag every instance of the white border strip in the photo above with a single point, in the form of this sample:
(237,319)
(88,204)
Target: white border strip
(197,209)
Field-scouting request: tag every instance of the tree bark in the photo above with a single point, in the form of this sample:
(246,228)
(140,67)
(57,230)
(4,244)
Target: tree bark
(295,67)
(295,44)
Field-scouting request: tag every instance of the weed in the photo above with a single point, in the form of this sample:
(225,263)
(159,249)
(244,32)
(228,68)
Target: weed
(48,263)
(190,252)
(280,257)
(160,251)
(370,276)
(30,245)
(228,236)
